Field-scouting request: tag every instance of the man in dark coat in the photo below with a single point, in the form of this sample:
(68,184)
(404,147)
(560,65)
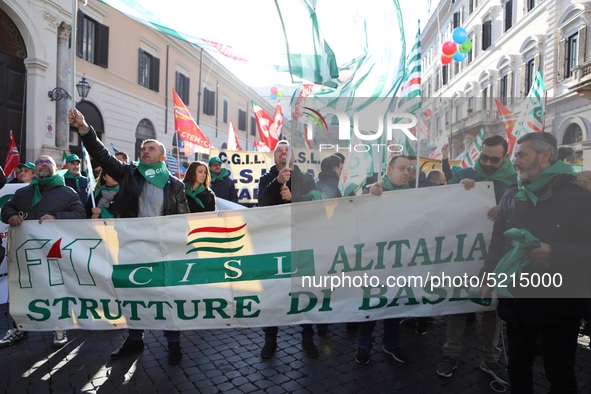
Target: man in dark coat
(45,198)
(284,184)
(74,179)
(149,190)
(328,177)
(221,182)
(549,205)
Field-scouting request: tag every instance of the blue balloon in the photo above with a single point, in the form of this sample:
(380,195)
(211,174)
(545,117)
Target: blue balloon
(459,35)
(459,56)
(273,96)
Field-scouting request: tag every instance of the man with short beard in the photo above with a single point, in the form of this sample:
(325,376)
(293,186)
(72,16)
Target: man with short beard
(494,165)
(46,198)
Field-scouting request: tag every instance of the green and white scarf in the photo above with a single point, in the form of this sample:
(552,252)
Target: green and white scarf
(157,173)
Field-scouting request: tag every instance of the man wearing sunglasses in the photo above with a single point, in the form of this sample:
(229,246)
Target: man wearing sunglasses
(493,165)
(46,198)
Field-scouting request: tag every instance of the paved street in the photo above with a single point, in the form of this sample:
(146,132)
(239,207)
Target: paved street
(227,361)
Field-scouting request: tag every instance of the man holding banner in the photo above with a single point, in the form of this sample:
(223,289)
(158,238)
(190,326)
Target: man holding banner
(493,164)
(46,198)
(282,185)
(148,190)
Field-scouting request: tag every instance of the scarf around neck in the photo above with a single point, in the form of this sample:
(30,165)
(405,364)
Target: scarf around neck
(157,174)
(76,178)
(503,174)
(54,180)
(224,173)
(193,193)
(528,192)
(387,186)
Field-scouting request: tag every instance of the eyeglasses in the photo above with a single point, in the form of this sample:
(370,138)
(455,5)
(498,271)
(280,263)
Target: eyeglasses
(40,162)
(493,159)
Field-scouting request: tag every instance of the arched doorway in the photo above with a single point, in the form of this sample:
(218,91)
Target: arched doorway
(12,95)
(144,131)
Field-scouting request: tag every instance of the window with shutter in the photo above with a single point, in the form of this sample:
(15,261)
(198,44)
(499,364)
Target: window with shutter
(241,119)
(486,34)
(93,41)
(508,14)
(181,85)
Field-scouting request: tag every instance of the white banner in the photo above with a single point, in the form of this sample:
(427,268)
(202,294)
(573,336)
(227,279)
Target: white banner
(247,167)
(6,194)
(347,259)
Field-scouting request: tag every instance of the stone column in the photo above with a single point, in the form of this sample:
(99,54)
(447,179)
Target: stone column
(62,128)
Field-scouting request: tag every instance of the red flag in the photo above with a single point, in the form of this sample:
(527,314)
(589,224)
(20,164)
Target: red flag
(267,126)
(277,122)
(508,119)
(233,143)
(185,126)
(12,159)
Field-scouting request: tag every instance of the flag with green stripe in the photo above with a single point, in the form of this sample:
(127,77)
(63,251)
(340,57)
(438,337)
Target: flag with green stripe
(472,154)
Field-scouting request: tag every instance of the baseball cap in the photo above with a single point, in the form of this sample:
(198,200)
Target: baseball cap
(28,164)
(215,159)
(72,157)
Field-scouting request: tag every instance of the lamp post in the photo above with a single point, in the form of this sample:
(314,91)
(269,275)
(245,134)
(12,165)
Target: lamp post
(83,88)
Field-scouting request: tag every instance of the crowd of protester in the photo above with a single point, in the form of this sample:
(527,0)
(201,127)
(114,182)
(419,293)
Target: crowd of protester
(544,197)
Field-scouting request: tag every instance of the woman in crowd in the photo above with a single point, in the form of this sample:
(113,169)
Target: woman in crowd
(197,181)
(106,197)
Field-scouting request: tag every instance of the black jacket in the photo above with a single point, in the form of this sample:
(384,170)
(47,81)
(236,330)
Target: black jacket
(131,181)
(300,184)
(83,192)
(562,219)
(328,185)
(60,201)
(114,206)
(224,188)
(207,197)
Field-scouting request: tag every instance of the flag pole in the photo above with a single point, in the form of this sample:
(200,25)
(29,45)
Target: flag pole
(74,47)
(418,127)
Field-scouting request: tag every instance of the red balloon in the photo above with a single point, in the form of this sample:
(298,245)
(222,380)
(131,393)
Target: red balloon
(274,90)
(449,48)
(427,112)
(445,59)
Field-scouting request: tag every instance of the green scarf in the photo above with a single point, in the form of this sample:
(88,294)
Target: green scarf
(514,260)
(503,174)
(528,192)
(387,186)
(54,180)
(100,188)
(76,178)
(193,193)
(224,173)
(157,174)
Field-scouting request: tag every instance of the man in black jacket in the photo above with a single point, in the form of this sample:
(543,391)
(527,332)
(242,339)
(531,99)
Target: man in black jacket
(556,211)
(45,198)
(74,179)
(149,190)
(283,185)
(221,182)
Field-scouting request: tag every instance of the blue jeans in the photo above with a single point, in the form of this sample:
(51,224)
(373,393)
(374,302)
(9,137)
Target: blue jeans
(391,338)
(138,335)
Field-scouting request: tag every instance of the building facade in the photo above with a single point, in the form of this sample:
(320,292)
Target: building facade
(131,70)
(511,39)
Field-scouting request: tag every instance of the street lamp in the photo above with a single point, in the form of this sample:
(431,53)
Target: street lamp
(83,88)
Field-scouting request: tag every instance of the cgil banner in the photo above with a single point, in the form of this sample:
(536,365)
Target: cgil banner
(247,167)
(347,259)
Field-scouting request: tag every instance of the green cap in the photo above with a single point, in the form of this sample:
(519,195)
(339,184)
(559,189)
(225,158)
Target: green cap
(72,157)
(215,159)
(28,164)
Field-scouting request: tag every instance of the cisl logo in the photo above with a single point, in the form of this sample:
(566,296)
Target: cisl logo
(44,260)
